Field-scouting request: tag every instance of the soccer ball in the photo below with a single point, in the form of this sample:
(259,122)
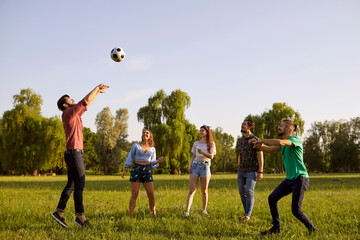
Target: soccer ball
(117,54)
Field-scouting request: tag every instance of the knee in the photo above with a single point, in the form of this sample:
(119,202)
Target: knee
(79,187)
(204,192)
(134,196)
(249,192)
(69,187)
(192,190)
(272,199)
(151,196)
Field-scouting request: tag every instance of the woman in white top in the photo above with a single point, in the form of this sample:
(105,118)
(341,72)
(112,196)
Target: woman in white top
(203,151)
(145,160)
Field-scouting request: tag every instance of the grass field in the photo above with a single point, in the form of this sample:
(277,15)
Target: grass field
(332,202)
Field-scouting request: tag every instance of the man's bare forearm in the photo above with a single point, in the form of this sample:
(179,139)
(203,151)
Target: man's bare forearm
(269,149)
(276,142)
(89,99)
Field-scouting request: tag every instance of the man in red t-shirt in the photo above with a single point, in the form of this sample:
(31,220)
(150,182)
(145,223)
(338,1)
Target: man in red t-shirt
(74,155)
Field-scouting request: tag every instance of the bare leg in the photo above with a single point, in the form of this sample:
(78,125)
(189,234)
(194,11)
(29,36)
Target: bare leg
(192,189)
(204,190)
(135,187)
(149,187)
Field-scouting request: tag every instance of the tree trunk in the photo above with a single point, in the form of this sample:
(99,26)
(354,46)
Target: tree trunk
(34,173)
(173,170)
(106,170)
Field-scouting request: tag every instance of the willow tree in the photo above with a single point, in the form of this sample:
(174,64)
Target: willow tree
(30,142)
(111,130)
(164,116)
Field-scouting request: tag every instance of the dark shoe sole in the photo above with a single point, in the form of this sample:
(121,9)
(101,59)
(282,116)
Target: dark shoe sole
(83,225)
(58,221)
(78,224)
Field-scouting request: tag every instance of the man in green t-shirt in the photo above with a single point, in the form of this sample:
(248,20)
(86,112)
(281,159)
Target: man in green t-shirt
(297,178)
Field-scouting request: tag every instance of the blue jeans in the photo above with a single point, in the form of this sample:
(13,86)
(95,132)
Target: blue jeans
(246,184)
(76,182)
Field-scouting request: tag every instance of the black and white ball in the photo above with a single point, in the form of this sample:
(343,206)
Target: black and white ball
(117,54)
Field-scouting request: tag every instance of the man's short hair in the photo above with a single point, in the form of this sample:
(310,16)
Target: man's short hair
(291,124)
(250,123)
(61,101)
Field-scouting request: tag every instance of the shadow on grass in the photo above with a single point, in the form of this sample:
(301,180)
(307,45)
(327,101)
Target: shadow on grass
(162,183)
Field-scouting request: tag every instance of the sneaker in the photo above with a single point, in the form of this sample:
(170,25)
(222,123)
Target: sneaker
(59,219)
(85,224)
(205,212)
(312,230)
(272,230)
(186,214)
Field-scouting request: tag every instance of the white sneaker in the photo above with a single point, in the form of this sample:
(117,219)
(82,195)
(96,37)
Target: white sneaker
(205,212)
(186,214)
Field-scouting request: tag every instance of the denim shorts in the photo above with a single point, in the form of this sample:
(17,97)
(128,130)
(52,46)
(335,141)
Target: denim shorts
(141,173)
(200,170)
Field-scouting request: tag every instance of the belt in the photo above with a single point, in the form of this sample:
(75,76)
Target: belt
(201,161)
(71,151)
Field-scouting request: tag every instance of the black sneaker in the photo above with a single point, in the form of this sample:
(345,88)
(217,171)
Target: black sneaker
(272,230)
(85,224)
(59,219)
(312,230)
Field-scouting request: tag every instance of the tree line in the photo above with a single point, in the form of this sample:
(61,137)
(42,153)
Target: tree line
(33,144)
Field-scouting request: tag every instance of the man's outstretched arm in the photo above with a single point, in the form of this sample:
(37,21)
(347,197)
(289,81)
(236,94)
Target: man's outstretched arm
(89,99)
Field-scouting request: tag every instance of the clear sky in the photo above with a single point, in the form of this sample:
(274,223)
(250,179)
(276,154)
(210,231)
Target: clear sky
(233,58)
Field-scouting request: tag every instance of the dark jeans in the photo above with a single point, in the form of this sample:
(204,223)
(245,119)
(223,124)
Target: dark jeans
(297,187)
(76,182)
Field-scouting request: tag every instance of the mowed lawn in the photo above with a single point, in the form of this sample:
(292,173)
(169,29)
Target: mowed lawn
(332,202)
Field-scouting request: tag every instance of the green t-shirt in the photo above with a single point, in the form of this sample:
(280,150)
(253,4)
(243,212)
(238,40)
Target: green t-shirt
(293,159)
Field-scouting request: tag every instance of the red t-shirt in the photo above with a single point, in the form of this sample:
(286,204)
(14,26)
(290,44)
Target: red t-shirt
(73,125)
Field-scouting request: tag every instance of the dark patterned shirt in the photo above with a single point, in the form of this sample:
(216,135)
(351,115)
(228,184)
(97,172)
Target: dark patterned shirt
(248,157)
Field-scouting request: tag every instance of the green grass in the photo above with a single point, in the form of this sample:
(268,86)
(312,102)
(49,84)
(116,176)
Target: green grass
(332,202)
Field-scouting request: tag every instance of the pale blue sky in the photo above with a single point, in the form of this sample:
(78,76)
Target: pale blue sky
(233,58)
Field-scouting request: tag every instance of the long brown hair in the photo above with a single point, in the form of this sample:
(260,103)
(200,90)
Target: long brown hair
(151,139)
(209,138)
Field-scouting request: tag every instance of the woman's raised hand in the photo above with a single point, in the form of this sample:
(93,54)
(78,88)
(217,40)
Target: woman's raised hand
(160,159)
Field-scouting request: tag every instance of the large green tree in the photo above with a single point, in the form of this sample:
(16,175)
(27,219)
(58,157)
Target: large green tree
(225,159)
(91,159)
(316,146)
(30,142)
(266,125)
(333,146)
(173,134)
(111,131)
(55,144)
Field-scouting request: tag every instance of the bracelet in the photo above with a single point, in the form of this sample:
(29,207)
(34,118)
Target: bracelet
(260,172)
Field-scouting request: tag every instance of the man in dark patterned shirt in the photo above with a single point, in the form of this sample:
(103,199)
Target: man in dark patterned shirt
(250,161)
